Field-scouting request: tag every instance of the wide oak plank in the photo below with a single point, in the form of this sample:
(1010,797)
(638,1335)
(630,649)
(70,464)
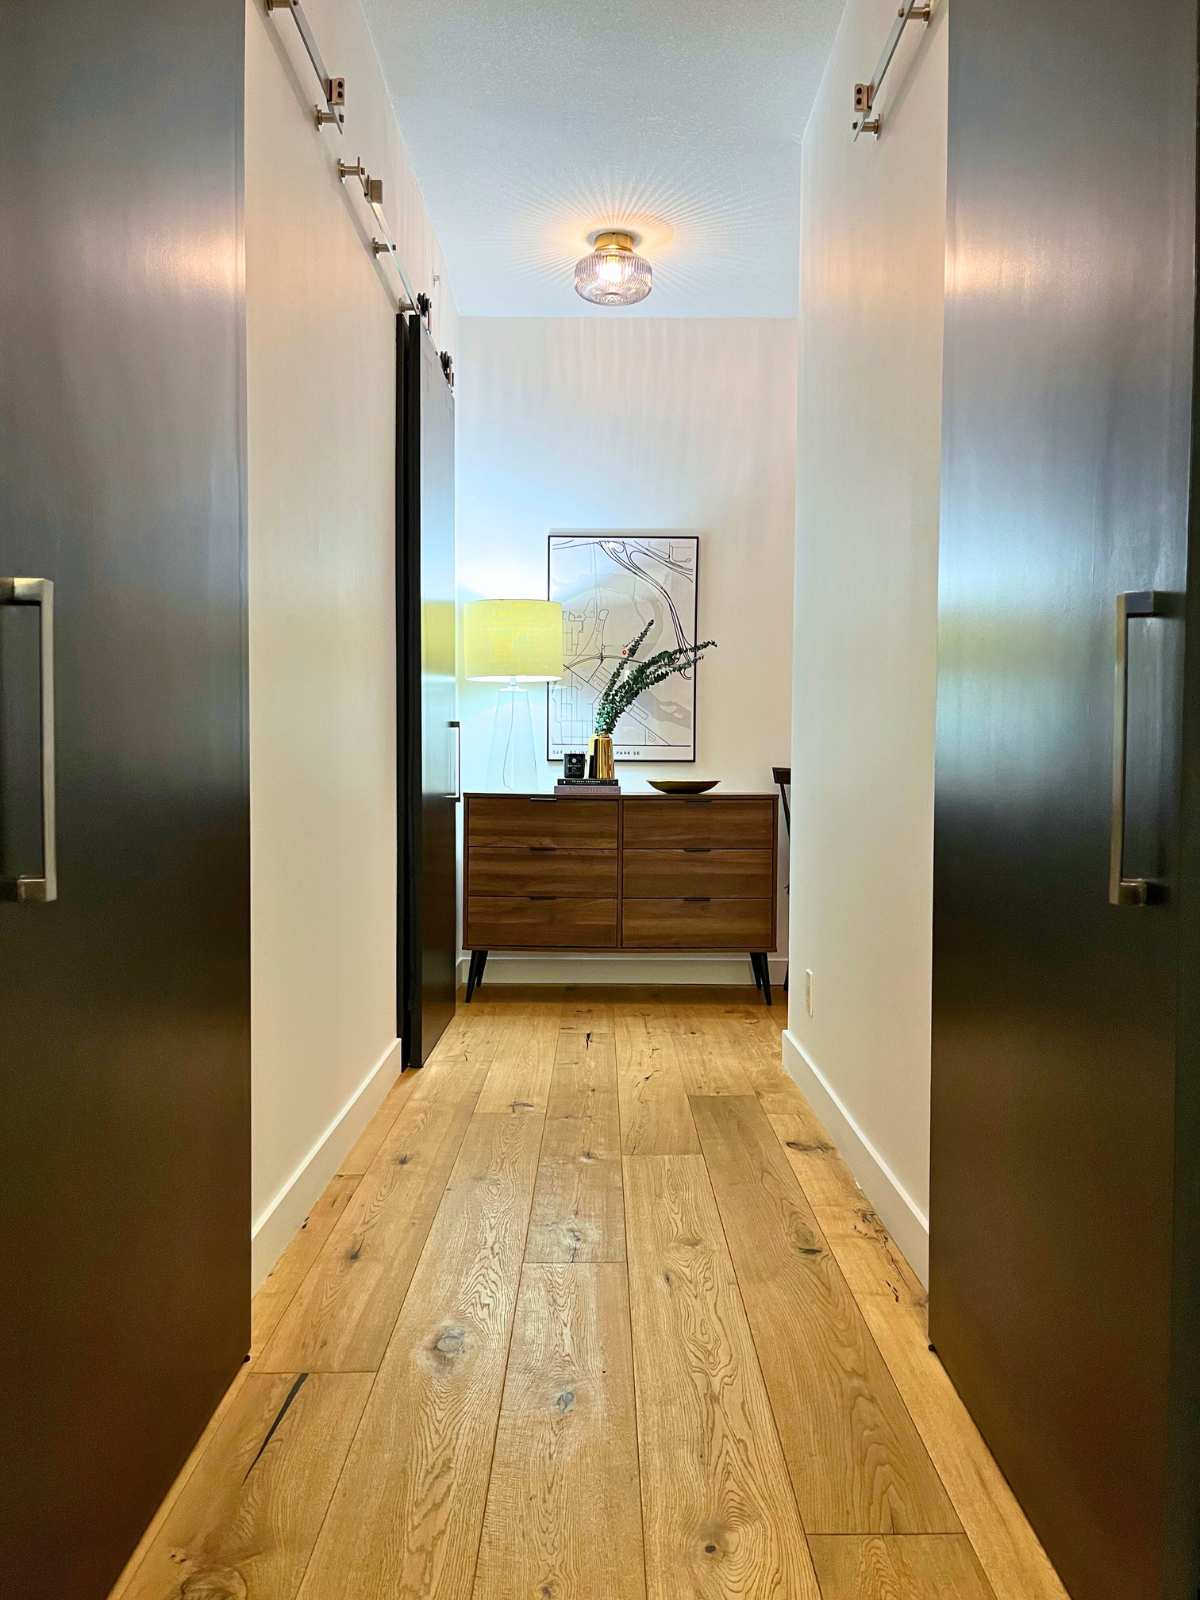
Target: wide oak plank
(563,1509)
(1008,1549)
(518,1079)
(656,1119)
(248,1517)
(406,1519)
(869,1257)
(856,1461)
(578,1213)
(812,1156)
(366,1146)
(720,1521)
(708,1059)
(754,1036)
(342,1315)
(898,1567)
(289,1272)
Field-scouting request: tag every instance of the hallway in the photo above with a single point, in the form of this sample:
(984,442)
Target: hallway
(599,1242)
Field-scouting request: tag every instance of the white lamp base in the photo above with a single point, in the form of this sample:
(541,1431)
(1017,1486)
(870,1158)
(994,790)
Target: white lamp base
(511,765)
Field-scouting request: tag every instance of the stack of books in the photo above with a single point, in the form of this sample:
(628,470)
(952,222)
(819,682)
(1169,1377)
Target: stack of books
(578,788)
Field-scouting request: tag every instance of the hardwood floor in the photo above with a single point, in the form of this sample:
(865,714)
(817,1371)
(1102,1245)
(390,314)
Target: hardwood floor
(593,1311)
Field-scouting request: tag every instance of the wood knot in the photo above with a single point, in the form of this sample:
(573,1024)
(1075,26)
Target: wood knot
(402,1161)
(521,1105)
(563,1401)
(218,1583)
(452,1342)
(354,1254)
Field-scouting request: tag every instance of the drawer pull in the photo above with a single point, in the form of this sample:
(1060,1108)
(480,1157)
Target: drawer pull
(698,899)
(544,848)
(699,799)
(541,799)
(697,849)
(541,897)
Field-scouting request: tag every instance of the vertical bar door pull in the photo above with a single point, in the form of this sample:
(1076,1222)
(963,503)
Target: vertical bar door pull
(39,592)
(457,795)
(1123,891)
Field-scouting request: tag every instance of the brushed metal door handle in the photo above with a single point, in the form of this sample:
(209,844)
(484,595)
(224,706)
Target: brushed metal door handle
(698,899)
(697,849)
(1123,891)
(39,592)
(457,795)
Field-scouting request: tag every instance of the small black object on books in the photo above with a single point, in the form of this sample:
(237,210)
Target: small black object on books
(588,788)
(574,765)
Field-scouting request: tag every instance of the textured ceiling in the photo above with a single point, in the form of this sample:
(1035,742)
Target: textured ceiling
(530,127)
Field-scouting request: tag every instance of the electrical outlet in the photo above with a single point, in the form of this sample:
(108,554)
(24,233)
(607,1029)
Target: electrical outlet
(808,995)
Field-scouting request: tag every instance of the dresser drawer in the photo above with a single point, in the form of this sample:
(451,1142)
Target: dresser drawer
(741,874)
(680,924)
(719,824)
(544,869)
(501,820)
(527,923)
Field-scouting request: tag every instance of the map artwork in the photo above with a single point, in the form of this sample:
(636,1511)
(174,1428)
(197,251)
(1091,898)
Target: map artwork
(610,585)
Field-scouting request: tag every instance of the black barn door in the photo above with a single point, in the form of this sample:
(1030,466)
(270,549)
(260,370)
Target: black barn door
(124,1000)
(426,694)
(1063,1152)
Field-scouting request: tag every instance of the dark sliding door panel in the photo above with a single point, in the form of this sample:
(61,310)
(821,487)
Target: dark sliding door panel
(426,693)
(1067,431)
(124,1001)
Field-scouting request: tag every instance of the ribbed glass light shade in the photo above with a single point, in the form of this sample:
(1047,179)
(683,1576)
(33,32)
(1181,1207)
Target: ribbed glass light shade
(613,275)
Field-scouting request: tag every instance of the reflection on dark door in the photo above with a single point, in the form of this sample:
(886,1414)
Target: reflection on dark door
(1058,1300)
(426,694)
(124,1000)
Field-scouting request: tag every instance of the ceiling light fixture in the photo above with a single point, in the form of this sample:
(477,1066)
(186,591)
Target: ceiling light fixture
(613,275)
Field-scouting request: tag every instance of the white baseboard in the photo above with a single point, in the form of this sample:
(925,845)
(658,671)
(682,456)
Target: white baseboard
(898,1211)
(285,1212)
(656,969)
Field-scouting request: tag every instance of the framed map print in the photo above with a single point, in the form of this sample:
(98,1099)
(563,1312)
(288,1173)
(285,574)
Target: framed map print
(610,585)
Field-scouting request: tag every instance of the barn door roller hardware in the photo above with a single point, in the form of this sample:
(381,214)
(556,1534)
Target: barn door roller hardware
(864,93)
(333,112)
(372,189)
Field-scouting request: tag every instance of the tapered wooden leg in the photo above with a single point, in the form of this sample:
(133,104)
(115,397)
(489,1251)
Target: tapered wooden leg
(762,972)
(475,972)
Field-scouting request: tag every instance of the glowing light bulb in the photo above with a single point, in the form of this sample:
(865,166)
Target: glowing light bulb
(613,275)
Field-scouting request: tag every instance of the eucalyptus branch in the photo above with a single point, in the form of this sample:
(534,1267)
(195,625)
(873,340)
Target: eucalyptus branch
(614,681)
(624,687)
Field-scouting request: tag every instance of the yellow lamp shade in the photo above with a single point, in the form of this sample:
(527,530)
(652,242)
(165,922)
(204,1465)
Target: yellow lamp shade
(507,639)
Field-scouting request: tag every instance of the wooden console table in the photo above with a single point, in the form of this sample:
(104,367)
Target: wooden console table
(637,872)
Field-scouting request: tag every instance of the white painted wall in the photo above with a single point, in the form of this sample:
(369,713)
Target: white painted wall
(871,290)
(321,398)
(671,423)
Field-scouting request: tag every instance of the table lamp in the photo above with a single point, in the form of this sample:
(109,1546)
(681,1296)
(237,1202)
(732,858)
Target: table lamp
(513,642)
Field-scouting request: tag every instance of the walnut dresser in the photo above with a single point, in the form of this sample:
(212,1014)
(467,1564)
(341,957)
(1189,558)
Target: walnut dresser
(637,872)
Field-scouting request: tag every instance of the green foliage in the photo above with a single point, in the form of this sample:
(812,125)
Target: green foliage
(633,677)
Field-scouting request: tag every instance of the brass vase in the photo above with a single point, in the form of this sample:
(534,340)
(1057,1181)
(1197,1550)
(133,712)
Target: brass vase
(600,756)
